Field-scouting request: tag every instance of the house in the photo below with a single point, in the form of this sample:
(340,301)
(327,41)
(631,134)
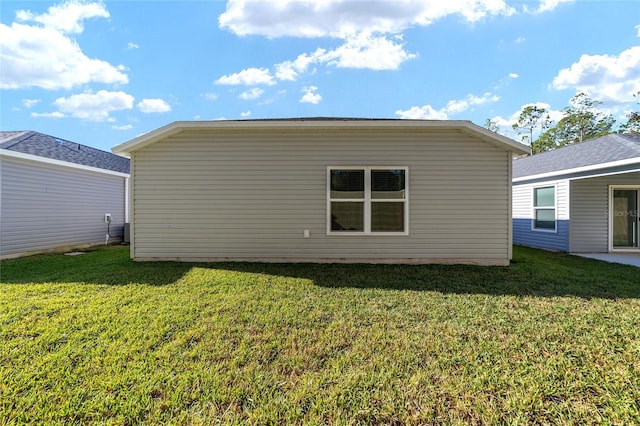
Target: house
(322,190)
(57,194)
(580,198)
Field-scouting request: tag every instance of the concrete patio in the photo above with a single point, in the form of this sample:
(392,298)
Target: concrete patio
(625,258)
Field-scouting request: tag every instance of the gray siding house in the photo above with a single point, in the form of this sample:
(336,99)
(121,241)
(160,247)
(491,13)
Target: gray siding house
(322,190)
(580,198)
(55,194)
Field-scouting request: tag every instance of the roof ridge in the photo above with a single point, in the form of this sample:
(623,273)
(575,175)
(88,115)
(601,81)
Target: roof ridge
(631,144)
(19,136)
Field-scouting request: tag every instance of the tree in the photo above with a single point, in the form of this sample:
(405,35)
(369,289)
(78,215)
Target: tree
(531,118)
(581,121)
(633,123)
(492,125)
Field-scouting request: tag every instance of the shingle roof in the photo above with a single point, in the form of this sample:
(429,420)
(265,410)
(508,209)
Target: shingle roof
(29,142)
(601,150)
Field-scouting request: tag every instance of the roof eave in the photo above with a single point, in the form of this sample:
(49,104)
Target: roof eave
(496,139)
(176,127)
(595,168)
(56,162)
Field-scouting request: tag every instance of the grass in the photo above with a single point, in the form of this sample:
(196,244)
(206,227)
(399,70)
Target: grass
(552,339)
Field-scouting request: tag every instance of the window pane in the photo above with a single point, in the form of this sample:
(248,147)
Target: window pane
(544,197)
(545,219)
(388,184)
(387,217)
(347,183)
(347,216)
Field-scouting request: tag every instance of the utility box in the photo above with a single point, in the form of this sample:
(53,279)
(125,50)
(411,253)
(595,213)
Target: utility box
(126,233)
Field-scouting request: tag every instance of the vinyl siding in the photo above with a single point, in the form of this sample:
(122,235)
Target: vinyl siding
(247,195)
(590,211)
(46,206)
(523,215)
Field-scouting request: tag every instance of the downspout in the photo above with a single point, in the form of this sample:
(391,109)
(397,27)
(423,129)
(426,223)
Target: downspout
(510,206)
(126,200)
(131,207)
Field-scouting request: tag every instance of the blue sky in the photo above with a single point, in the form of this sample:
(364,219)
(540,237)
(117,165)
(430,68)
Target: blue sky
(102,73)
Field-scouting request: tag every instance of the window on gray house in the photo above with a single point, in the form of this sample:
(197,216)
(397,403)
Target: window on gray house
(367,200)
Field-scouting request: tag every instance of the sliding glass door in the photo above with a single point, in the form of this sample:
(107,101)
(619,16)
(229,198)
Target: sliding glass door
(625,220)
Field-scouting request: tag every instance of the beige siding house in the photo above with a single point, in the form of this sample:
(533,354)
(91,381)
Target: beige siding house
(322,190)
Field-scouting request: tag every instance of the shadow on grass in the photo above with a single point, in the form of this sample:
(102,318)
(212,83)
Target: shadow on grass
(532,272)
(105,265)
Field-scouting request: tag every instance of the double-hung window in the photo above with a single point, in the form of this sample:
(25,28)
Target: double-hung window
(367,201)
(544,208)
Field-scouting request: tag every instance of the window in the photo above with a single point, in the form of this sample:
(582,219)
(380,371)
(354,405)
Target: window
(544,208)
(367,200)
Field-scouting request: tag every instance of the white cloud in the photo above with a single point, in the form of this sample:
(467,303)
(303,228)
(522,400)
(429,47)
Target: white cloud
(249,77)
(210,96)
(153,105)
(370,30)
(29,103)
(638,28)
(55,114)
(513,75)
(337,18)
(428,112)
(245,114)
(425,112)
(254,93)
(549,5)
(132,46)
(361,51)
(458,106)
(310,96)
(370,52)
(44,56)
(95,106)
(124,127)
(519,40)
(606,78)
(289,70)
(66,17)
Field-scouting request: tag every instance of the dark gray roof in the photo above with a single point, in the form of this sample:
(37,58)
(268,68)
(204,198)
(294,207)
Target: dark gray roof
(601,150)
(29,142)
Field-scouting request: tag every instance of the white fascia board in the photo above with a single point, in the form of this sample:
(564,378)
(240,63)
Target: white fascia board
(591,168)
(125,149)
(467,127)
(51,161)
(495,139)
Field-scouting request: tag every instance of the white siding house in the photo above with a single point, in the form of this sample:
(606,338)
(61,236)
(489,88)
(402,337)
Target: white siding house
(581,198)
(55,194)
(322,190)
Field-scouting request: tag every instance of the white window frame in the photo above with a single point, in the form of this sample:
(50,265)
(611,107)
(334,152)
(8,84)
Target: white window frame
(368,201)
(535,209)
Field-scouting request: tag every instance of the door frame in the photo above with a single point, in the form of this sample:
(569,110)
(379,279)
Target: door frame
(610,215)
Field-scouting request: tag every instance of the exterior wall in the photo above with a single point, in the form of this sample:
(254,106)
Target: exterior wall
(523,215)
(46,206)
(246,195)
(590,211)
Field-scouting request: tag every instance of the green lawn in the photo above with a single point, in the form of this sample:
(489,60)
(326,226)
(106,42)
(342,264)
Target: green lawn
(552,339)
